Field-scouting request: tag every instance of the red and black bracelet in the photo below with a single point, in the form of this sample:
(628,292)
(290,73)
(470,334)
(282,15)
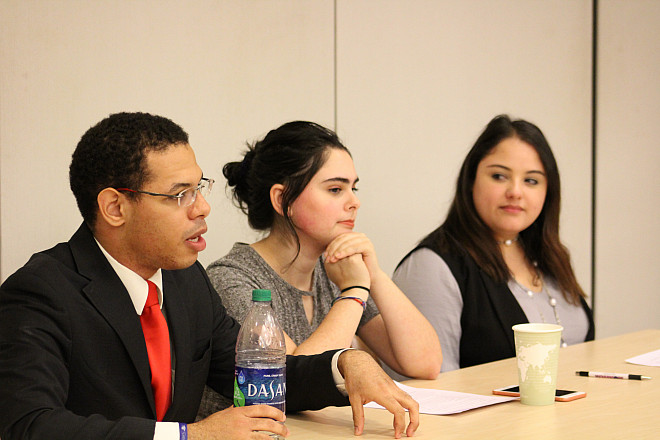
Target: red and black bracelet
(360,301)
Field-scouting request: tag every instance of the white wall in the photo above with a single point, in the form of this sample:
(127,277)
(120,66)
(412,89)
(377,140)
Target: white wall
(415,83)
(628,167)
(227,71)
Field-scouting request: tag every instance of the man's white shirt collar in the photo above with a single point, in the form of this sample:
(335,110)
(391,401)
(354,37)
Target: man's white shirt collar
(137,287)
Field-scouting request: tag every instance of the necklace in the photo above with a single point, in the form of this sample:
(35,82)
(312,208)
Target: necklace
(553,304)
(508,242)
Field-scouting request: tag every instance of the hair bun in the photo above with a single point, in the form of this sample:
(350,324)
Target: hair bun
(246,163)
(237,175)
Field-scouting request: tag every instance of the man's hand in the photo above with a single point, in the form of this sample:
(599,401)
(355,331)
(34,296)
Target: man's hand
(240,423)
(367,382)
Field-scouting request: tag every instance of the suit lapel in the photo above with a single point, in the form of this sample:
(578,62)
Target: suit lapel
(179,326)
(110,298)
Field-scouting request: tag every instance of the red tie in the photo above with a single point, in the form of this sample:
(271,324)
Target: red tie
(157,338)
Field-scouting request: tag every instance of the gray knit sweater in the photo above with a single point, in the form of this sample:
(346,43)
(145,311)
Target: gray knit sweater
(243,269)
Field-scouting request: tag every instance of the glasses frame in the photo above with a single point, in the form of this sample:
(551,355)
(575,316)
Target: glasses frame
(203,182)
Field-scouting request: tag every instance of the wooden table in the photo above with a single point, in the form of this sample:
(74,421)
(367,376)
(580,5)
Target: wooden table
(612,409)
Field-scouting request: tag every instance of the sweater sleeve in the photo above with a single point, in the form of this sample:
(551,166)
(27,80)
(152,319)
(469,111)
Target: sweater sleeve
(429,284)
(234,285)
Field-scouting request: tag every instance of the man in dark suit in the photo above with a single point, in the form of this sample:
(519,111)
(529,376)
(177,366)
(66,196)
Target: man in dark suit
(76,357)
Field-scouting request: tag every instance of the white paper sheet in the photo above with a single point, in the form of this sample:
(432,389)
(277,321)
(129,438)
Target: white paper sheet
(650,359)
(441,402)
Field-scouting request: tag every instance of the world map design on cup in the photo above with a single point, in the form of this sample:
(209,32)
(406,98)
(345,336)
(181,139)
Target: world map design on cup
(537,354)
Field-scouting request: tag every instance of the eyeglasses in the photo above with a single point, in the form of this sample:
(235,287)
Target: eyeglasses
(186,197)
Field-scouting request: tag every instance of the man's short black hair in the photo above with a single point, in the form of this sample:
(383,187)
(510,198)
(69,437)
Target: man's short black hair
(111,155)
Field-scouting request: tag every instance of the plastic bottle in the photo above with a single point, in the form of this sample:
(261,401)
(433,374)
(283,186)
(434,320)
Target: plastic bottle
(260,374)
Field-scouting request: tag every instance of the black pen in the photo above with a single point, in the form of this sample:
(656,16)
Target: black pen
(611,375)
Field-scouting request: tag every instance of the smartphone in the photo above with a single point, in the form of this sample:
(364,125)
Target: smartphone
(560,395)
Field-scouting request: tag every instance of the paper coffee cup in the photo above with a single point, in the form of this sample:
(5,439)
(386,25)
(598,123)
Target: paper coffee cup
(537,355)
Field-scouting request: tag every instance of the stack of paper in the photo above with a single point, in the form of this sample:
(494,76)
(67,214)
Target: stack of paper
(446,402)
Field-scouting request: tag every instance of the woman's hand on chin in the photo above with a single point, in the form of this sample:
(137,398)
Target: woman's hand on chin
(352,243)
(348,271)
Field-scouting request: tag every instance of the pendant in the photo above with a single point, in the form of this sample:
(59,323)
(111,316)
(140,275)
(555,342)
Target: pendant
(508,242)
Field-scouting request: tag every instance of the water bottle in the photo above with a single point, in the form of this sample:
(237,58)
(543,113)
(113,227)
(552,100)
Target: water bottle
(260,374)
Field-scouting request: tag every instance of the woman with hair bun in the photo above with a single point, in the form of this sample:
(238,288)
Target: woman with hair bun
(298,185)
(497,259)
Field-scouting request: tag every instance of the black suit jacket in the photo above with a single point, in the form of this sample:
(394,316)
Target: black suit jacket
(73,361)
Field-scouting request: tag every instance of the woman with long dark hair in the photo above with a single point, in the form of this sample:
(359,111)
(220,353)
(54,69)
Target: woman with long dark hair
(497,260)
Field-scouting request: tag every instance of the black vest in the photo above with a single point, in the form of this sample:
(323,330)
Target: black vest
(489,311)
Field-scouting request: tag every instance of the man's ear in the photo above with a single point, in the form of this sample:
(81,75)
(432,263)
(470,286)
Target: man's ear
(276,192)
(112,207)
